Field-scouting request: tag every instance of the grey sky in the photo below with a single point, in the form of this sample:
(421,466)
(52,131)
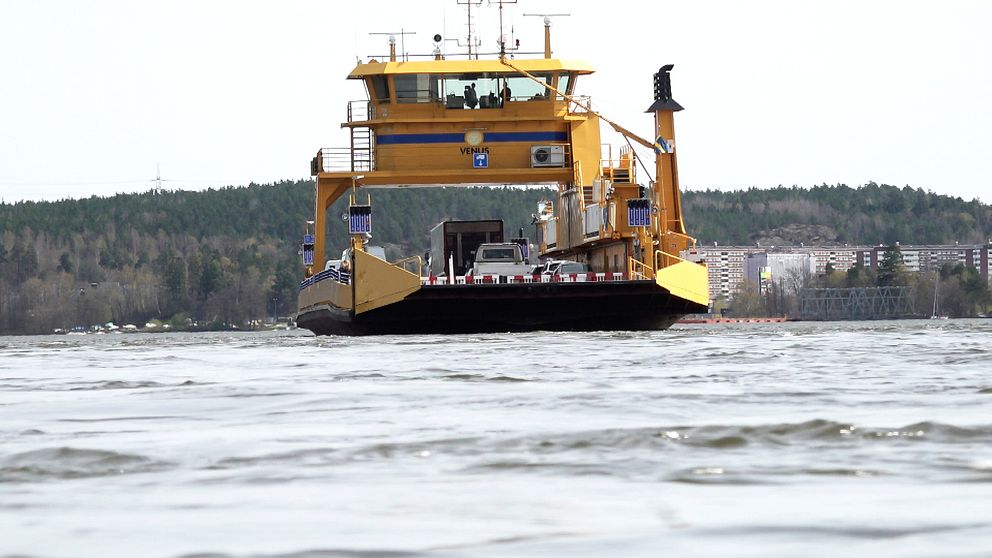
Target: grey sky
(94,94)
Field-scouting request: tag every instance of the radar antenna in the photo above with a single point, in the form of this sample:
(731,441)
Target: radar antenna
(392,43)
(547,30)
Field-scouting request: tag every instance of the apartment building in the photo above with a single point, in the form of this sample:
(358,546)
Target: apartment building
(727,266)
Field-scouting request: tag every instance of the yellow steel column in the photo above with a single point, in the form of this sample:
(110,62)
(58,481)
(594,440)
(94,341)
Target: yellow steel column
(319,226)
(667,195)
(327,192)
(669,200)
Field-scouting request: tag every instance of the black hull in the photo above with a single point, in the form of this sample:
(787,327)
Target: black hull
(593,306)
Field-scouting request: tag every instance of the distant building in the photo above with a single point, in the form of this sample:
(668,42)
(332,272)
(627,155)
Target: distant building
(788,270)
(724,265)
(728,266)
(933,257)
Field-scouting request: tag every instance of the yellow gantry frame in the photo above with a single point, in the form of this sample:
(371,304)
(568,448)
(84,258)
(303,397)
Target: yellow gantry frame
(431,165)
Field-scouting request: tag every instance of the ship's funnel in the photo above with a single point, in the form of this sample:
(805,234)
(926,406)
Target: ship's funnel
(663,91)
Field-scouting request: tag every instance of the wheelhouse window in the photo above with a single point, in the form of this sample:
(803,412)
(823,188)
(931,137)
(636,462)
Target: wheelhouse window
(471,91)
(416,88)
(564,85)
(491,90)
(523,88)
(380,88)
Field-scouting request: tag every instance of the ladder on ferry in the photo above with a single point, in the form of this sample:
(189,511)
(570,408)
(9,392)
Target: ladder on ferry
(362,149)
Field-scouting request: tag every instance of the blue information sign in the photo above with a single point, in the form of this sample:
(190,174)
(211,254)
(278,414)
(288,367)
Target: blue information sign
(480,160)
(639,212)
(359,219)
(308,249)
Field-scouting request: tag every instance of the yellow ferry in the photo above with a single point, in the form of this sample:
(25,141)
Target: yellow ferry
(607,256)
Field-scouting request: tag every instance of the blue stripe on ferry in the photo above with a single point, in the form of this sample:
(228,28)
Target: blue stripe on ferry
(419,138)
(525,136)
(494,137)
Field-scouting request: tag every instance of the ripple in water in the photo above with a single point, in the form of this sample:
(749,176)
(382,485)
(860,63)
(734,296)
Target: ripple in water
(70,463)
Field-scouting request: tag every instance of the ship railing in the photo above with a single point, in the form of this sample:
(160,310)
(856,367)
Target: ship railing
(606,153)
(672,239)
(361,110)
(407,265)
(488,279)
(639,270)
(621,169)
(341,159)
(405,57)
(576,168)
(332,274)
(663,259)
(689,241)
(606,160)
(575,108)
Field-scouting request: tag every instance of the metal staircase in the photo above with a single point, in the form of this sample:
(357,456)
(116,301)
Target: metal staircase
(362,149)
(588,196)
(621,175)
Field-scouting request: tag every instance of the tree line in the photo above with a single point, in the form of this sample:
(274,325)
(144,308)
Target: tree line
(211,259)
(229,256)
(955,290)
(871,214)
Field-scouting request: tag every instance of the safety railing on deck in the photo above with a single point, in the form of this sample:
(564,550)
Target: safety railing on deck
(405,264)
(639,270)
(620,170)
(489,279)
(690,241)
(577,171)
(333,274)
(575,108)
(360,111)
(338,159)
(663,259)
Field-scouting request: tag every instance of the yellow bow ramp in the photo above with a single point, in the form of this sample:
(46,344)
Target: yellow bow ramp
(379,283)
(687,280)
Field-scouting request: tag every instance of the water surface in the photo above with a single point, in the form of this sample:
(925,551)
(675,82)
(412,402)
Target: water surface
(796,439)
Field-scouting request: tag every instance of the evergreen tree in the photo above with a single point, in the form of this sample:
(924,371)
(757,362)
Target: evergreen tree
(65,264)
(891,268)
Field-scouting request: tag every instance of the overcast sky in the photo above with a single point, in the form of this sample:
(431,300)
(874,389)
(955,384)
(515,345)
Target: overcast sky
(95,94)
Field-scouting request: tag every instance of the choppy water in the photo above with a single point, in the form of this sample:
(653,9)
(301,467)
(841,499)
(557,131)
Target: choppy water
(842,439)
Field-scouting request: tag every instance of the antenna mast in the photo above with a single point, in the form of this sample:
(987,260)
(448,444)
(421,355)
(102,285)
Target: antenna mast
(469,3)
(158,179)
(502,37)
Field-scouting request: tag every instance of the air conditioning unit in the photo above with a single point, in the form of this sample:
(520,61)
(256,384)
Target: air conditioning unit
(547,156)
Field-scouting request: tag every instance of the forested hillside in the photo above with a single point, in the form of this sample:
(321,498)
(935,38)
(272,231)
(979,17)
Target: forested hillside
(871,214)
(219,257)
(229,256)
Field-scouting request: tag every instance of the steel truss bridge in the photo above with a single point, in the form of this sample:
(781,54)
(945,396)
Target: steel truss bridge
(858,303)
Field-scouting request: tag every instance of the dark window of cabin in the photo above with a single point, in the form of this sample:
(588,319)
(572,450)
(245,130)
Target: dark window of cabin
(380,88)
(416,88)
(564,84)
